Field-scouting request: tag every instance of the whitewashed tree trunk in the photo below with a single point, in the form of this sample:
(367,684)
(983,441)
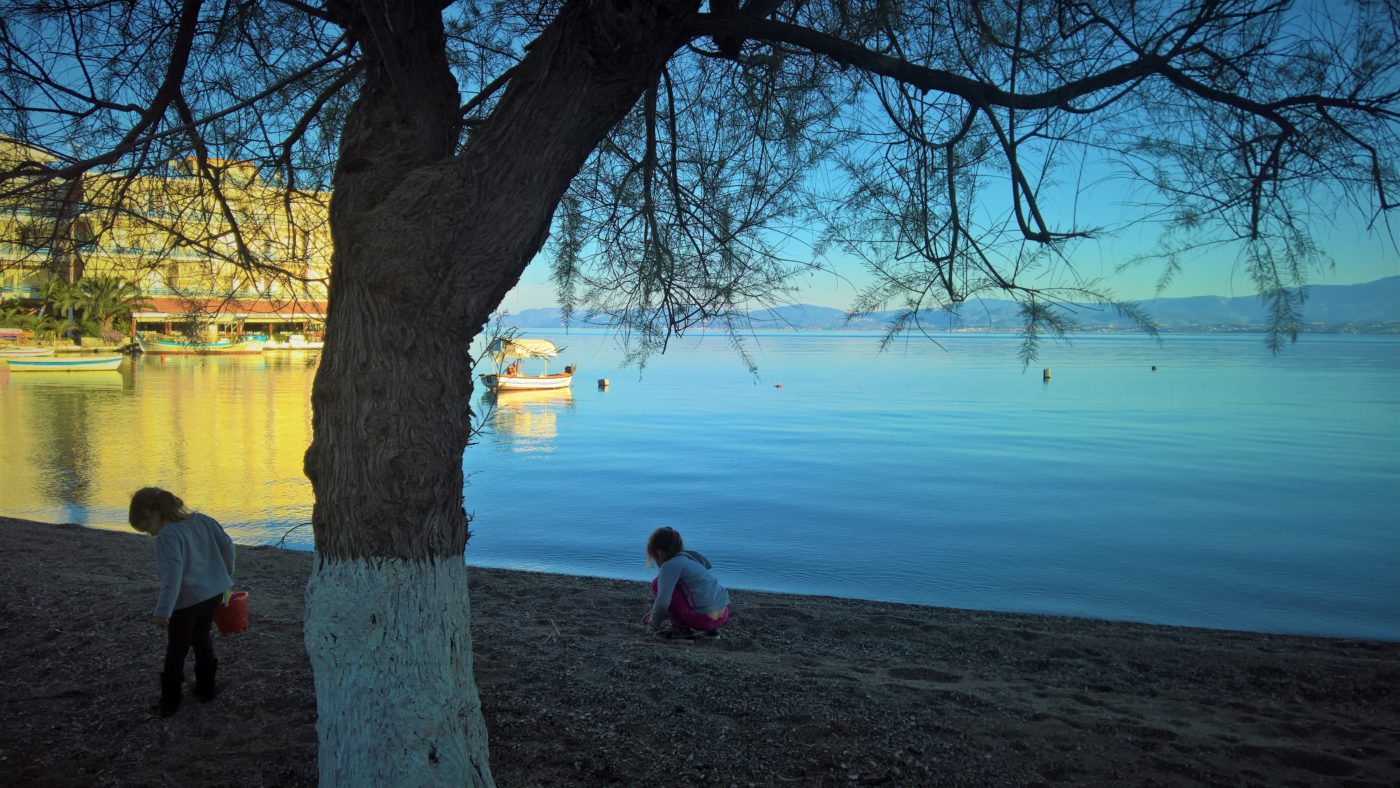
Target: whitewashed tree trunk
(390,644)
(428,240)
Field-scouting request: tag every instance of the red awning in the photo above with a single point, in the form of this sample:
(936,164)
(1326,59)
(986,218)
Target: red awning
(233,308)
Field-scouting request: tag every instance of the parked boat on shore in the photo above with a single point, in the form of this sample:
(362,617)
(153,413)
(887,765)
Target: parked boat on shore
(513,377)
(168,345)
(66,364)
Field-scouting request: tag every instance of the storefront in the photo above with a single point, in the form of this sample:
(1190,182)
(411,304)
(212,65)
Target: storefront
(231,317)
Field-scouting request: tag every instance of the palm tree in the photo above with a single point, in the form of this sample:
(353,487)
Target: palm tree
(105,298)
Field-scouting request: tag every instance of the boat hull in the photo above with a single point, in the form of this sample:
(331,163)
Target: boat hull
(175,347)
(499,383)
(95,364)
(25,352)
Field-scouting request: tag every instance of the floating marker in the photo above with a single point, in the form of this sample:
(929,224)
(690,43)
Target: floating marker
(603,383)
(777,385)
(1154,367)
(1046,375)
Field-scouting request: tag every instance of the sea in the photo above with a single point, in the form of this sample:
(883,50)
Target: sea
(1199,480)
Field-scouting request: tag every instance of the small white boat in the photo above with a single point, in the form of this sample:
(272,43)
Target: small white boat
(513,377)
(25,352)
(503,382)
(294,342)
(67,364)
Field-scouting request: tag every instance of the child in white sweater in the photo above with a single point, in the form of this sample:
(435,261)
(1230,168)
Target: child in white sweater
(195,560)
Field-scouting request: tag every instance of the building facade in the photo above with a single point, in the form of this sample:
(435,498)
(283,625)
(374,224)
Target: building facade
(213,243)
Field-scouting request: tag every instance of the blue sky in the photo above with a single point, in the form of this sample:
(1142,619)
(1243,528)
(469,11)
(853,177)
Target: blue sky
(1091,187)
(1358,255)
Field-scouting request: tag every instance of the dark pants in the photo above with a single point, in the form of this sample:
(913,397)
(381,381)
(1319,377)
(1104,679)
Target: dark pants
(190,626)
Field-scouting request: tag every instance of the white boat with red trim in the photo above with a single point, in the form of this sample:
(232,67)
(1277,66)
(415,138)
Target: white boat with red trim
(513,377)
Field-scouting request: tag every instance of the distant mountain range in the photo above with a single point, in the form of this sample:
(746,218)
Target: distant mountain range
(1373,307)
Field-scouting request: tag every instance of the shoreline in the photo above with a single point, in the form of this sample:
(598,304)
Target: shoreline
(1087,617)
(801,690)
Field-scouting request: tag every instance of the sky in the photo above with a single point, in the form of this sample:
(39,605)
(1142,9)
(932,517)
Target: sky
(1101,196)
(1100,192)
(1357,255)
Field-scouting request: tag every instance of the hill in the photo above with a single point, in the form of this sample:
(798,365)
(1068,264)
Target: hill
(1362,308)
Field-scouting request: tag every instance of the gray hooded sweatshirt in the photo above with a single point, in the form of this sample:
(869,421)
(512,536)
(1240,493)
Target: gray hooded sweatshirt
(692,571)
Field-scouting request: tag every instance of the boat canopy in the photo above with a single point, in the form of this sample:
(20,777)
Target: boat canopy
(503,349)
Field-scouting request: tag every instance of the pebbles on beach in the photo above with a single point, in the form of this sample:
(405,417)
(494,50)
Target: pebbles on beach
(798,691)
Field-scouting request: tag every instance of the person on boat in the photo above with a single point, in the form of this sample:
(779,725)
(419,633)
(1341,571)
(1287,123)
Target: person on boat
(513,369)
(195,559)
(686,591)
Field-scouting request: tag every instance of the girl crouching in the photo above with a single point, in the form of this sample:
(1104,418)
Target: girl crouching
(686,592)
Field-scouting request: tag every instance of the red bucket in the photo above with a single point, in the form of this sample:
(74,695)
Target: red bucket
(233,617)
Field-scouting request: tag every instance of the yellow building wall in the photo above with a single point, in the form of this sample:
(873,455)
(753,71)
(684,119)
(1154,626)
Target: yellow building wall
(173,236)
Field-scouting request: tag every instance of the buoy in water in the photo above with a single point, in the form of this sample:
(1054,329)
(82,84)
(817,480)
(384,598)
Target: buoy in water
(1046,375)
(1154,367)
(603,383)
(777,385)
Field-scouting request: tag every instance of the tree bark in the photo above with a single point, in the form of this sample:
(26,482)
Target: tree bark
(427,243)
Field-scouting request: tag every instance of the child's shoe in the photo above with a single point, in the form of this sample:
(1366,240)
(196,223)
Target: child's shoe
(171,693)
(678,633)
(204,687)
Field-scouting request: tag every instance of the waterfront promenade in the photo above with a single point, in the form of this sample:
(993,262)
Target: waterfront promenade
(800,691)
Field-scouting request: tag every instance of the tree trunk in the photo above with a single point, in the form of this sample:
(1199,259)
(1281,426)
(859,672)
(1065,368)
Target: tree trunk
(427,243)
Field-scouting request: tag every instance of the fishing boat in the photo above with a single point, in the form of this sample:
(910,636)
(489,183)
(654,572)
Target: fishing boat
(25,352)
(168,345)
(66,364)
(513,377)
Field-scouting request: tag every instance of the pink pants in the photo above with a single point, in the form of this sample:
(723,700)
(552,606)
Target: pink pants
(683,615)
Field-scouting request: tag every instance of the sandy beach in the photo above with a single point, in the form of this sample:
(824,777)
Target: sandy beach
(799,691)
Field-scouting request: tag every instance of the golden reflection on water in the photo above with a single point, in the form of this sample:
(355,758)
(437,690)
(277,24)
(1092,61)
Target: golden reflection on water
(526,421)
(227,434)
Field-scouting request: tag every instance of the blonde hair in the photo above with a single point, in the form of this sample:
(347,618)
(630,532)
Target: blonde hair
(664,544)
(154,499)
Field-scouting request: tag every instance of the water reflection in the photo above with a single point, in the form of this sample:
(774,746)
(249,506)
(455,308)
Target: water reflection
(74,381)
(526,421)
(292,359)
(228,434)
(61,436)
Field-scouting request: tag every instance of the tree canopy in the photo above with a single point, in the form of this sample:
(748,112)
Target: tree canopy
(934,141)
(676,156)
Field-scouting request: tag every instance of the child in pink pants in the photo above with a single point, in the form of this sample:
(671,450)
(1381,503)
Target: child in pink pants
(685,591)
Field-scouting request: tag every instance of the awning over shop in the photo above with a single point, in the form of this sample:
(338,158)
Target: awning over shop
(232,309)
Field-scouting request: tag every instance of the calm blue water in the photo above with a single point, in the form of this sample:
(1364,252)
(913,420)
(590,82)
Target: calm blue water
(1229,488)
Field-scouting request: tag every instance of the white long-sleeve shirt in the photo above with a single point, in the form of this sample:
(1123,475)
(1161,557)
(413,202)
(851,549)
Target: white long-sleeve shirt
(195,560)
